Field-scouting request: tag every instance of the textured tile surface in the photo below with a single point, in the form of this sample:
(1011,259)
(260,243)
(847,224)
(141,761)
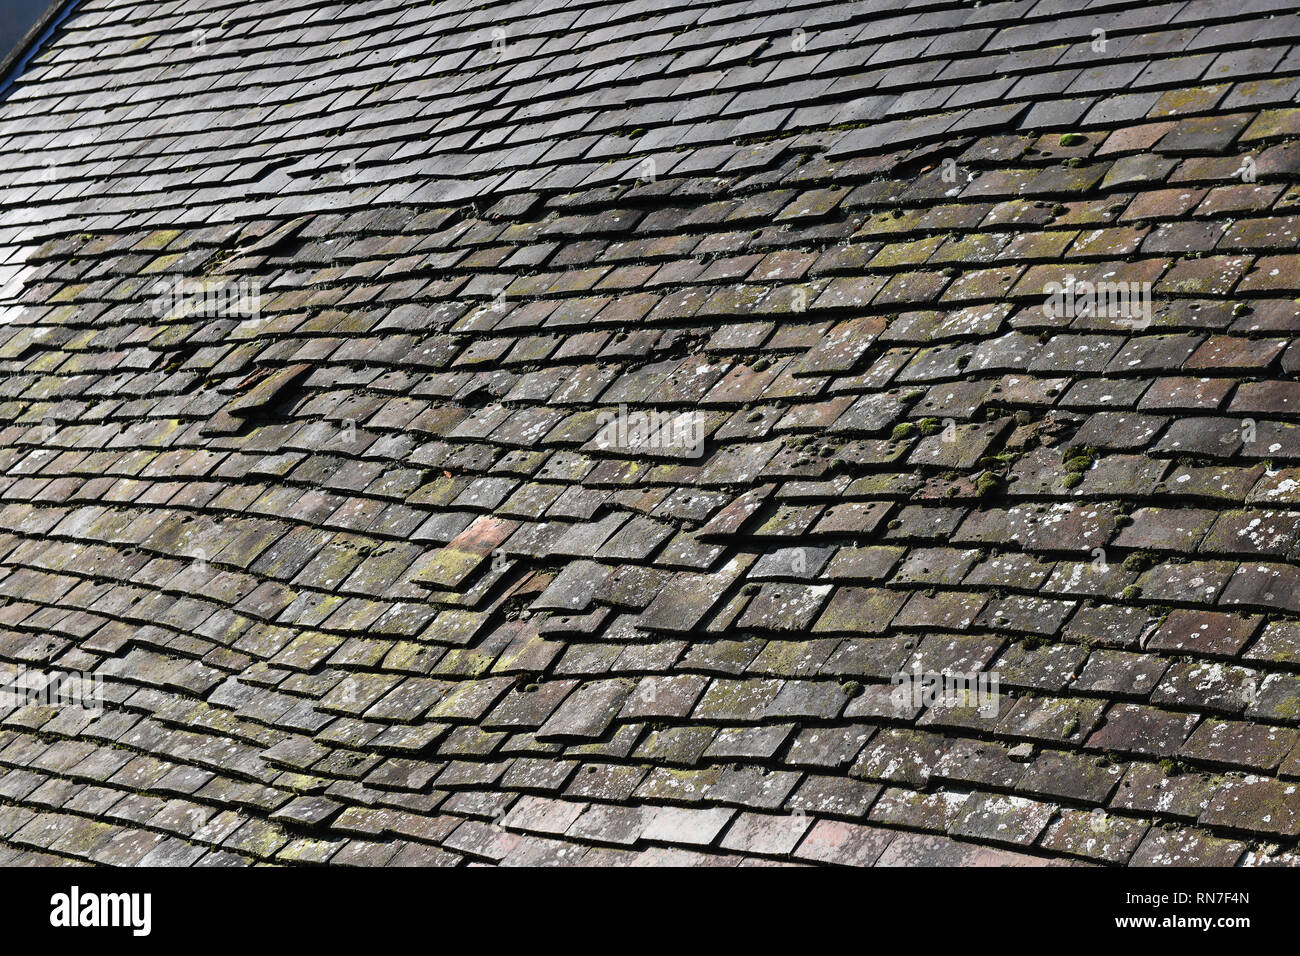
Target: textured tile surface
(551,434)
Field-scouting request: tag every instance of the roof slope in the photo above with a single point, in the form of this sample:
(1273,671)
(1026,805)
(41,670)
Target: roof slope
(541,433)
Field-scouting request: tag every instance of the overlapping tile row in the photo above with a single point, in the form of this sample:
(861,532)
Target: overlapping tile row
(594,522)
(144,112)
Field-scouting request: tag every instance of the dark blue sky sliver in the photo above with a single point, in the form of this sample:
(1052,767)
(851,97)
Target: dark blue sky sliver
(16,18)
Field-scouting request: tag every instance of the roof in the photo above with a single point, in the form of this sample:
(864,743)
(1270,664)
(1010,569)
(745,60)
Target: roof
(564,433)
